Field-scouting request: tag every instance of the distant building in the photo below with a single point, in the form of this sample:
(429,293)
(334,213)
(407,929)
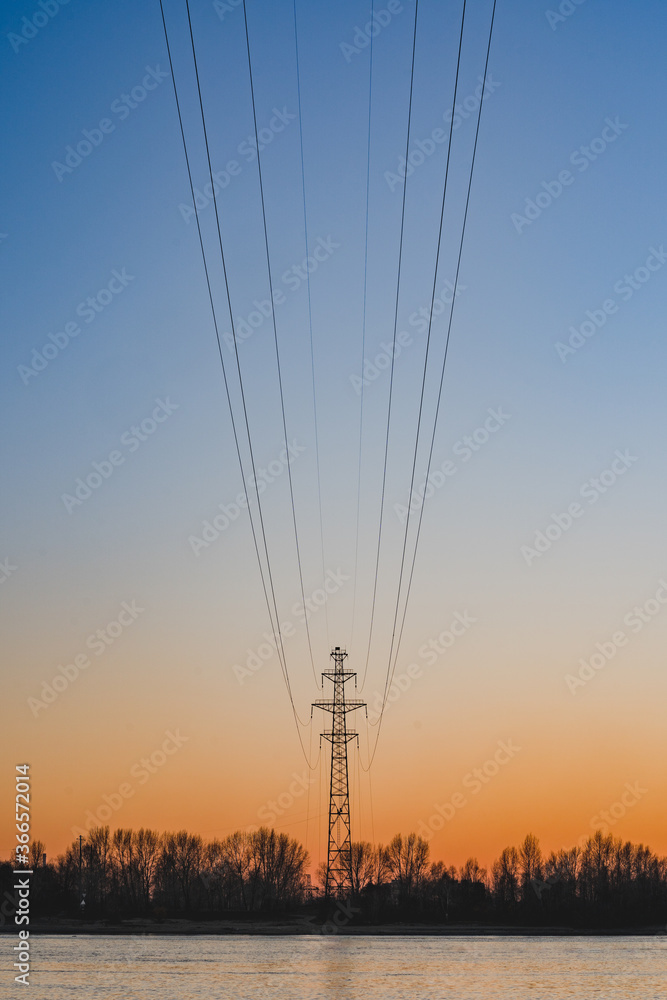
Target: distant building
(309,890)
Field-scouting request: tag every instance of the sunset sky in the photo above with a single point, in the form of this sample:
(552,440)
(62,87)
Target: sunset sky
(560,418)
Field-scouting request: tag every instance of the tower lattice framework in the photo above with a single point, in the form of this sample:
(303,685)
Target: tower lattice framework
(339,867)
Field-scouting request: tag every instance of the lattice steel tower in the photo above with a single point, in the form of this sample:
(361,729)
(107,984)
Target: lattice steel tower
(339,869)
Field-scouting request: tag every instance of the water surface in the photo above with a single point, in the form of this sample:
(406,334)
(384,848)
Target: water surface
(344,968)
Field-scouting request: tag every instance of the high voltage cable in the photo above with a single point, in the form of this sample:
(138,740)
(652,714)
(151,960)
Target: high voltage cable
(229,303)
(310,316)
(236,352)
(310,750)
(427,351)
(275,330)
(313,768)
(393,353)
(210,296)
(370,784)
(358,780)
(363,329)
(321,811)
(442,377)
(275,629)
(449,330)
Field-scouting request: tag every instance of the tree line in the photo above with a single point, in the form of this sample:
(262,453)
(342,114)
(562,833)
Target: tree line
(126,873)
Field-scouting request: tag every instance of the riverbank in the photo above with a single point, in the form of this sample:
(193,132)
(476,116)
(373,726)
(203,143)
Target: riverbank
(296,926)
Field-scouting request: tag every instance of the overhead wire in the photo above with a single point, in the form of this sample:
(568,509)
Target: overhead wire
(393,353)
(427,351)
(395,645)
(310,753)
(275,628)
(275,333)
(363,329)
(310,317)
(441,383)
(319,807)
(370,784)
(358,782)
(449,325)
(236,350)
(211,301)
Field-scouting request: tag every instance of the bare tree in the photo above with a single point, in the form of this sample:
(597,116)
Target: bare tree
(37,852)
(146,855)
(364,863)
(505,877)
(122,853)
(606,881)
(279,866)
(530,865)
(237,864)
(407,860)
(181,862)
(472,872)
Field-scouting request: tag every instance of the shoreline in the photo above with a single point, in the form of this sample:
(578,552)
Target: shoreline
(190,928)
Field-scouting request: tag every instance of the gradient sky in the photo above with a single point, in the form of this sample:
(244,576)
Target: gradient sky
(172,669)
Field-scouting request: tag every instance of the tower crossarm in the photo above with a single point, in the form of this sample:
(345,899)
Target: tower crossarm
(349,705)
(341,675)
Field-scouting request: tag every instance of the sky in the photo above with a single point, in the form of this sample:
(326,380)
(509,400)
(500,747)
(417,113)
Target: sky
(536,624)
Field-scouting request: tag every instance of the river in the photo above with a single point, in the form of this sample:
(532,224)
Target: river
(341,968)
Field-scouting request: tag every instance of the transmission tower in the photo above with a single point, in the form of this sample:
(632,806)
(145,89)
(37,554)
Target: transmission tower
(339,859)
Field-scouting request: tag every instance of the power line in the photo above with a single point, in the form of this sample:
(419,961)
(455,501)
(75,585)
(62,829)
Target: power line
(231,315)
(210,296)
(361,815)
(319,805)
(236,352)
(275,629)
(393,353)
(370,783)
(310,754)
(449,326)
(428,346)
(442,377)
(310,315)
(275,330)
(363,329)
